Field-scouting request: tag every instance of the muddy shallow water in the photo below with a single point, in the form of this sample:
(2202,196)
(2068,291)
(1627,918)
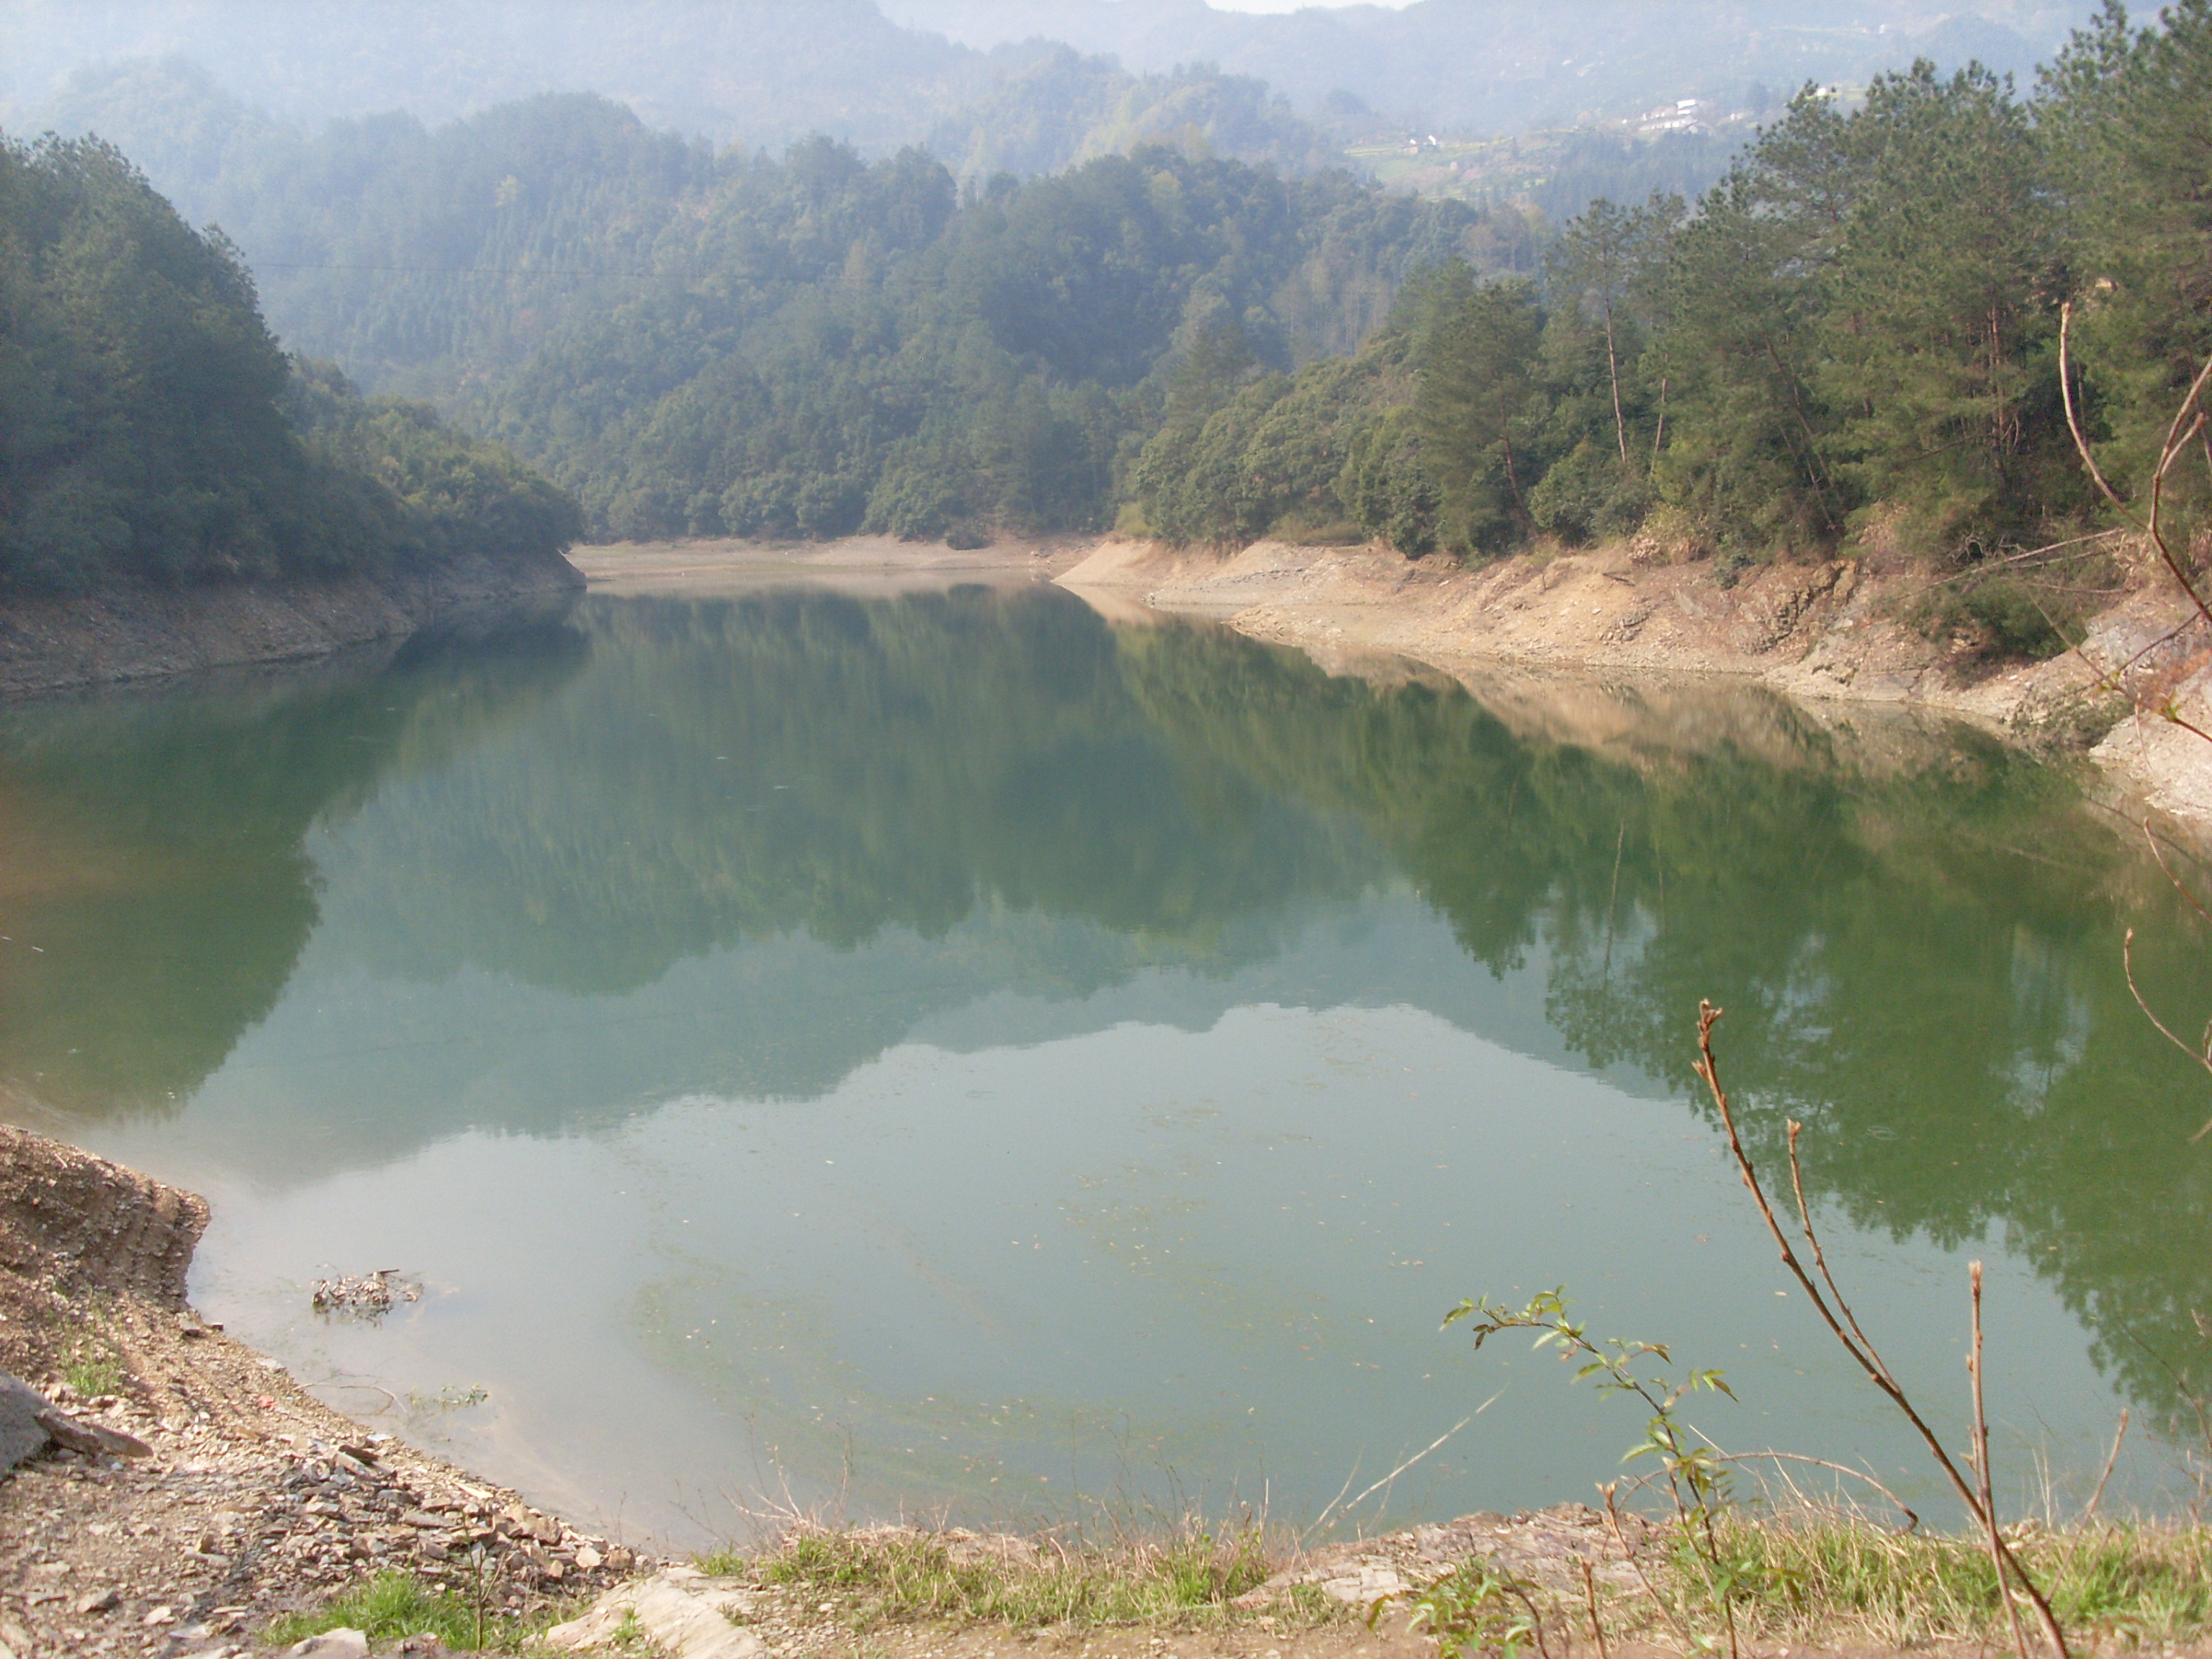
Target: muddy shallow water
(947,1051)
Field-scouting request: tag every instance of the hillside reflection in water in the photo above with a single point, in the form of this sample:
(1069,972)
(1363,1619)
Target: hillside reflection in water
(953,1041)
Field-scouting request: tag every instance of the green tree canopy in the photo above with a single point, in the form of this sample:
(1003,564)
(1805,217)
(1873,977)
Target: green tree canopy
(151,429)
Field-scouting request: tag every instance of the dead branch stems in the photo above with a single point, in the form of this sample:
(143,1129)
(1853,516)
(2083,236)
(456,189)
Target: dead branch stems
(1628,1553)
(2189,421)
(2151,836)
(1998,1554)
(1589,1598)
(1854,1339)
(2112,1463)
(2202,1057)
(1911,1518)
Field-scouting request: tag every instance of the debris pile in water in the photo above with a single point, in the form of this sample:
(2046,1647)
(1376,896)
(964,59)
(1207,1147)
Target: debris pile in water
(369,1297)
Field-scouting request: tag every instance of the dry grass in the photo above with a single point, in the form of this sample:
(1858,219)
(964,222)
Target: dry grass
(1837,1580)
(888,1576)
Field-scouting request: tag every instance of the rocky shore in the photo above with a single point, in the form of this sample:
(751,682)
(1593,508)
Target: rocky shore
(165,1491)
(202,1492)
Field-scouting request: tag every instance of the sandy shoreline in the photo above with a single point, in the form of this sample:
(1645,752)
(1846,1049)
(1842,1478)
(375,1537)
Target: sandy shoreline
(872,565)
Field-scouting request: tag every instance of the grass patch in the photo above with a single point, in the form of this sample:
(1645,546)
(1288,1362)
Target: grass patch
(891,1577)
(394,1605)
(91,1364)
(1837,1582)
(93,1371)
(1303,532)
(1834,1579)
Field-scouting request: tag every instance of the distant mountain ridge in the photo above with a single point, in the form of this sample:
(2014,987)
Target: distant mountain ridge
(1496,66)
(763,74)
(880,73)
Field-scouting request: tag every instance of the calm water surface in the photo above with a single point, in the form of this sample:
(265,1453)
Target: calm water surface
(952,1052)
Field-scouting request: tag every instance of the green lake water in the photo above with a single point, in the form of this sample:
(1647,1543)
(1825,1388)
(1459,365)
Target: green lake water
(949,1053)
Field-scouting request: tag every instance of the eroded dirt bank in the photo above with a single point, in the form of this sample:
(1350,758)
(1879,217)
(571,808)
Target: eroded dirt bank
(1820,632)
(49,644)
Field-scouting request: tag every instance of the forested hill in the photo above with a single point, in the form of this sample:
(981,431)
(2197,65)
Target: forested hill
(151,429)
(834,345)
(702,341)
(1850,344)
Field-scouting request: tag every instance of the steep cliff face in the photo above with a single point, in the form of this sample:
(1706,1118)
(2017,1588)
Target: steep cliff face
(144,633)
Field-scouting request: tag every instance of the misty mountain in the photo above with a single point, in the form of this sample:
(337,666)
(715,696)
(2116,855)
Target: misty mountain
(1494,66)
(763,74)
(766,73)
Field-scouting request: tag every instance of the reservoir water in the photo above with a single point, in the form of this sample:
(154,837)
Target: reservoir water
(951,1054)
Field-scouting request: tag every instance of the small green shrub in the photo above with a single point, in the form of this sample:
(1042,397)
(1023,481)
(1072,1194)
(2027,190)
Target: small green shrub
(389,1607)
(1480,1610)
(2004,617)
(93,1371)
(1588,493)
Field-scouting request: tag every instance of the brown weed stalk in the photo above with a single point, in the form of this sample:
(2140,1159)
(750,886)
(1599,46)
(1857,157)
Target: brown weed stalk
(1836,1313)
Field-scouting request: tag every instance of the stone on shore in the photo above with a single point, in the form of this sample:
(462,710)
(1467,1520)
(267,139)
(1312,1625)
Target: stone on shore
(683,1613)
(341,1643)
(22,1434)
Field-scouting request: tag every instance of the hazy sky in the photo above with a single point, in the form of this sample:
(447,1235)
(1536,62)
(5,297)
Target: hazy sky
(1300,5)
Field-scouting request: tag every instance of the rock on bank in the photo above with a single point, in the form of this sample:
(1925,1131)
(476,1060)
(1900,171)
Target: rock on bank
(50,643)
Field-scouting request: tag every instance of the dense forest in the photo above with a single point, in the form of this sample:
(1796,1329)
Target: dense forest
(848,346)
(422,257)
(151,428)
(1852,340)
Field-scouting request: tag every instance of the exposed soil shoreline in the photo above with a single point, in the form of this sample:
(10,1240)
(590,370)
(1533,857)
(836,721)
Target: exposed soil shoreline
(120,634)
(1822,633)
(857,564)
